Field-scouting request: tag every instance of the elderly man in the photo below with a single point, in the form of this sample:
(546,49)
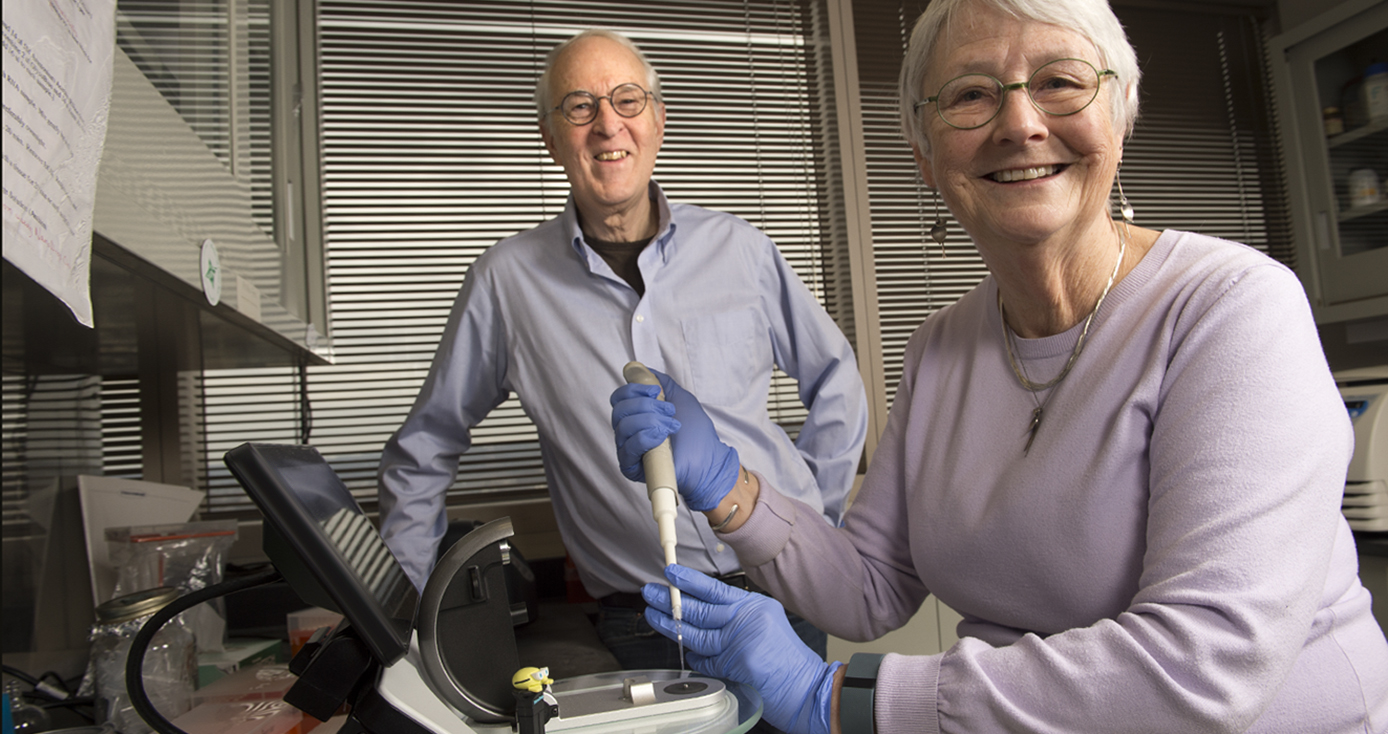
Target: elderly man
(552,315)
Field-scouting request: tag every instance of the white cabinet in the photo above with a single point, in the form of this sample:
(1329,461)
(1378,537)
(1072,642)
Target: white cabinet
(212,135)
(1342,242)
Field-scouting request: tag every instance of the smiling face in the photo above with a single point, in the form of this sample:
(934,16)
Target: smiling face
(1025,176)
(608,161)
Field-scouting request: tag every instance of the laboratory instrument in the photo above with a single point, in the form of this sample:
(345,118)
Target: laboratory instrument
(659,464)
(1365,504)
(440,661)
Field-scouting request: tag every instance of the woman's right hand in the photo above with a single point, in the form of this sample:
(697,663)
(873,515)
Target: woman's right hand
(745,637)
(705,468)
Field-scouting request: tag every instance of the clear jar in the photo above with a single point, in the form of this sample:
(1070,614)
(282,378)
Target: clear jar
(1334,123)
(170,664)
(1363,188)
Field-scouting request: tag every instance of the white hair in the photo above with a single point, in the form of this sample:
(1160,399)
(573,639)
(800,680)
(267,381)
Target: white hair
(1092,19)
(543,103)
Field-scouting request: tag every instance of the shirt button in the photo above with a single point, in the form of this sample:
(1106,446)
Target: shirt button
(640,318)
(719,547)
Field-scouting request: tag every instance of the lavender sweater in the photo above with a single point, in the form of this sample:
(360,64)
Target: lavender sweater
(1171,555)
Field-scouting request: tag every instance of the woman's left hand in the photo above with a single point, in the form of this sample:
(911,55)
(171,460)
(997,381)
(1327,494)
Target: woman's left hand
(706,469)
(745,637)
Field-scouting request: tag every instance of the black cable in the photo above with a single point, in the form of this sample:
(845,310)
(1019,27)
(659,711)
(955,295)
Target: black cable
(16,672)
(40,689)
(74,704)
(48,696)
(135,664)
(68,702)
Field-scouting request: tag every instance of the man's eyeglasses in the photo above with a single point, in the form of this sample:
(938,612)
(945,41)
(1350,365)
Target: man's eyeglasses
(1061,87)
(581,108)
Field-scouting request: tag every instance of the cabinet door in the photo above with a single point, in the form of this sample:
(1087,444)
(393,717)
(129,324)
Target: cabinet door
(1347,237)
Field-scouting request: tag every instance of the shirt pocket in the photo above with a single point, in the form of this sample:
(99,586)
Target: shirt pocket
(729,355)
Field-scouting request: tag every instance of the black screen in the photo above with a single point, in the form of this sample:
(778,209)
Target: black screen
(325,546)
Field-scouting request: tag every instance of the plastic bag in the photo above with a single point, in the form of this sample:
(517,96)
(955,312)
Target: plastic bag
(188,556)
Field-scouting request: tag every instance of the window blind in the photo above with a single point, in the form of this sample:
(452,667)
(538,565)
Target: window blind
(121,449)
(182,48)
(431,154)
(53,427)
(1203,156)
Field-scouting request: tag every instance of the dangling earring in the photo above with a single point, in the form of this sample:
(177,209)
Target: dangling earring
(939,231)
(1124,207)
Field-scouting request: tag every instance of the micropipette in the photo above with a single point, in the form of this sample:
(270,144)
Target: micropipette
(659,464)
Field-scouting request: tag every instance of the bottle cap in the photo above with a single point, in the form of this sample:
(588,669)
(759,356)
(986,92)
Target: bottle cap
(1378,67)
(134,606)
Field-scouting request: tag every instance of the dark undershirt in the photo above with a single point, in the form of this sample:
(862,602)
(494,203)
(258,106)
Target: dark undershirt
(621,257)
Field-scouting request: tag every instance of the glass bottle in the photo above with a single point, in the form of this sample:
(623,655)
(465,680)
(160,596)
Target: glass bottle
(1334,123)
(170,664)
(24,716)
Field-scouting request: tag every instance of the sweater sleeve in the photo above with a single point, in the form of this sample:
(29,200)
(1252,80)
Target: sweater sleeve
(856,582)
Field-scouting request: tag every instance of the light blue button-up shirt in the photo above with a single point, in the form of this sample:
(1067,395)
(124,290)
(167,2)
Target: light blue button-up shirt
(543,316)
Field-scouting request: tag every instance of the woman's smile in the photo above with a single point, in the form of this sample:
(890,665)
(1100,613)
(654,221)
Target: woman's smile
(1030,173)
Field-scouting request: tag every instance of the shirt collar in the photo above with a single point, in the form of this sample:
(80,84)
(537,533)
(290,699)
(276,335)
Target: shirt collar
(665,228)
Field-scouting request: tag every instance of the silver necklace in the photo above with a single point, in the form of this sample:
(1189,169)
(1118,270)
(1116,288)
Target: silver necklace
(1035,387)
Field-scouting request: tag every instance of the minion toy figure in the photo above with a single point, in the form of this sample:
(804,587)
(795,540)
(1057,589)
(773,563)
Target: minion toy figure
(535,701)
(534,680)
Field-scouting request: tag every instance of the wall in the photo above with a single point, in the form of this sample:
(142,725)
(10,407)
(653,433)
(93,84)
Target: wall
(931,631)
(1293,13)
(1354,344)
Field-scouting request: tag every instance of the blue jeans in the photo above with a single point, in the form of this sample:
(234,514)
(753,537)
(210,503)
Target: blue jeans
(637,646)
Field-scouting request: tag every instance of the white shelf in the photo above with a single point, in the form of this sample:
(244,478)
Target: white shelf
(1363,211)
(1359,132)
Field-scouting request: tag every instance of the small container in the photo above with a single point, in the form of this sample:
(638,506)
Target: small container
(1334,123)
(1363,188)
(1375,91)
(170,664)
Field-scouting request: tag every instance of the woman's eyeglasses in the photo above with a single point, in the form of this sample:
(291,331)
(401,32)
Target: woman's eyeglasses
(1061,87)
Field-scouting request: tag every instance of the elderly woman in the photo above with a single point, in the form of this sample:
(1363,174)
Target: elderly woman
(1120,457)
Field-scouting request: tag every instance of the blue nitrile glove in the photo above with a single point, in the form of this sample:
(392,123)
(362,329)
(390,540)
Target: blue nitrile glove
(746,637)
(705,468)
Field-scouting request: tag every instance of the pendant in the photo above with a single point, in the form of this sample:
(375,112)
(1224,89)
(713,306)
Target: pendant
(938,233)
(1032,429)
